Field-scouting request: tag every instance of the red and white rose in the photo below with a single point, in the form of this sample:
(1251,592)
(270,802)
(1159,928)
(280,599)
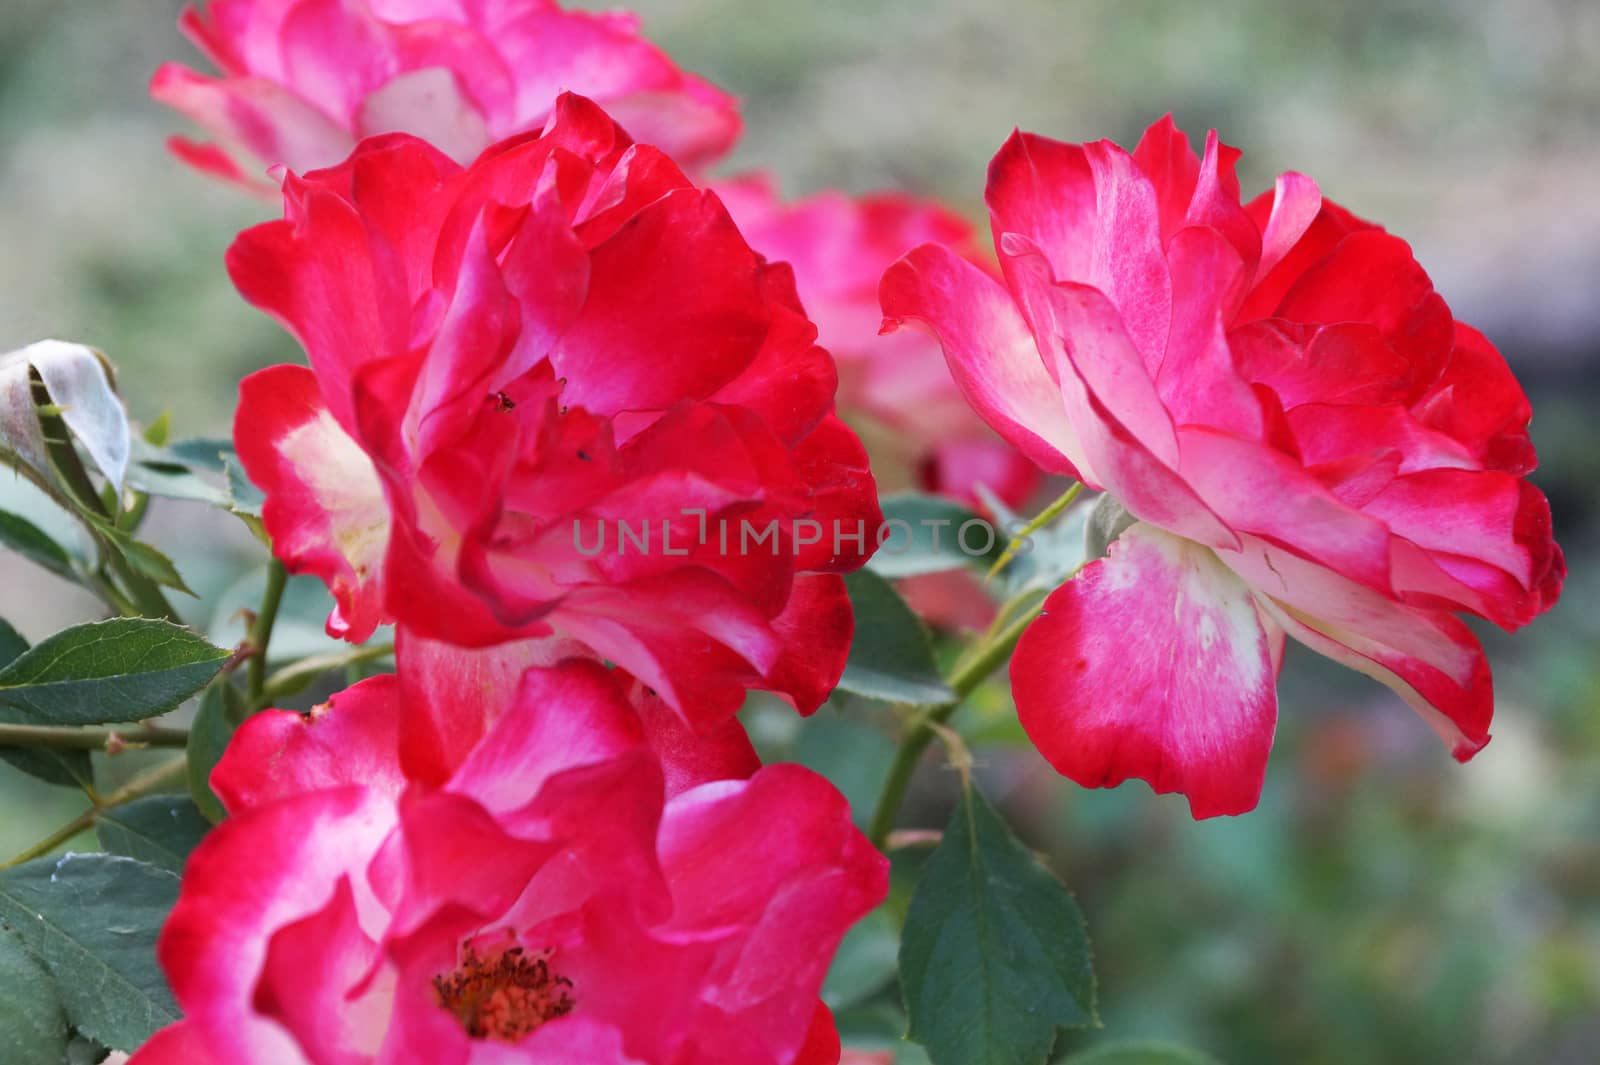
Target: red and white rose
(1309,442)
(509,359)
(552,902)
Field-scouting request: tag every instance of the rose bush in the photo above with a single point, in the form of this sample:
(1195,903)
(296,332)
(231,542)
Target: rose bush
(546,904)
(304,80)
(569,429)
(1308,440)
(510,359)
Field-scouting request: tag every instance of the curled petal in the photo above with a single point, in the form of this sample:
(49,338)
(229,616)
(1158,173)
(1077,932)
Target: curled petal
(687,759)
(795,898)
(256,115)
(216,941)
(564,717)
(1216,201)
(1296,200)
(991,353)
(325,506)
(1199,382)
(696,304)
(1130,465)
(312,982)
(1259,490)
(1372,277)
(1096,218)
(822,1040)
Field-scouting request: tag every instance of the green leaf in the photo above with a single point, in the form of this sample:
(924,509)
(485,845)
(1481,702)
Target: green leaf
(158,432)
(159,830)
(126,669)
(994,956)
(33,1027)
(220,714)
(83,1051)
(12,643)
(176,483)
(33,544)
(172,473)
(927,534)
(247,498)
(1108,519)
(890,657)
(204,453)
(145,560)
(92,919)
(64,769)
(1139,1052)
(68,769)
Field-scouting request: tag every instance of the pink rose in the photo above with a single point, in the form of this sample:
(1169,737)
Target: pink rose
(839,247)
(303,80)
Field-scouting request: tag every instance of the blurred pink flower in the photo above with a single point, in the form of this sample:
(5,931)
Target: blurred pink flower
(303,80)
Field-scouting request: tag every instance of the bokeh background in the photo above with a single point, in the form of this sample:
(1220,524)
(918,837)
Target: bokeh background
(1383,904)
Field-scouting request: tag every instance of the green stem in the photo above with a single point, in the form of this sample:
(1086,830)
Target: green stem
(147,783)
(988,656)
(296,678)
(90,739)
(260,637)
(1044,517)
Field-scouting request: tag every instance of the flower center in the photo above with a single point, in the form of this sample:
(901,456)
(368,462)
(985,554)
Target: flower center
(503,995)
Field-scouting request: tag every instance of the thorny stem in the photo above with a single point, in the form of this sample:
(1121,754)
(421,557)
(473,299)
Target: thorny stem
(991,652)
(291,679)
(1045,517)
(988,656)
(91,739)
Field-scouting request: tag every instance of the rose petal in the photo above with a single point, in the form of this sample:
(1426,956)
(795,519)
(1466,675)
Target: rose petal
(183,1044)
(989,349)
(1430,658)
(309,979)
(252,113)
(325,507)
(216,940)
(1168,160)
(352,739)
(1152,664)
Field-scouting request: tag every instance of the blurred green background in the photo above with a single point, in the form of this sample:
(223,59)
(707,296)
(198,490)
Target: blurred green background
(1383,904)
